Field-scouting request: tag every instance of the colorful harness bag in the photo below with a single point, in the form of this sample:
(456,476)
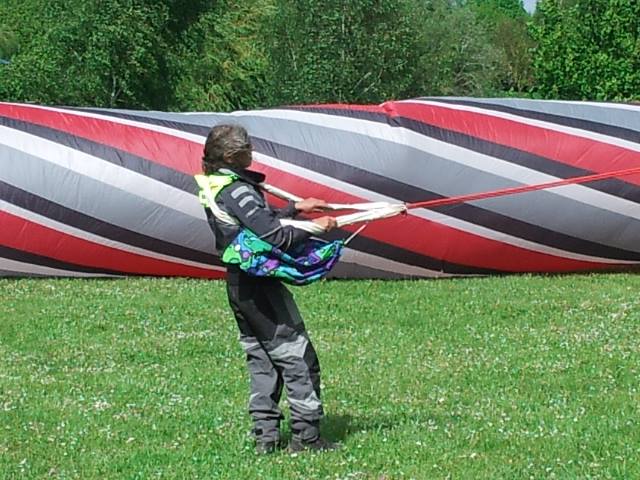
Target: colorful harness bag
(300,265)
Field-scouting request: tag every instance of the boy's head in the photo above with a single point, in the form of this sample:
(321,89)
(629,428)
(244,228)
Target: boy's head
(226,146)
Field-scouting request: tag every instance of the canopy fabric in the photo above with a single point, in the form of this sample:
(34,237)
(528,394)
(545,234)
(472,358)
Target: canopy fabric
(104,192)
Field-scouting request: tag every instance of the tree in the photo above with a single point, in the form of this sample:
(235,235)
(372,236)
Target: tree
(8,43)
(336,51)
(587,49)
(506,23)
(229,55)
(457,57)
(219,63)
(491,12)
(107,53)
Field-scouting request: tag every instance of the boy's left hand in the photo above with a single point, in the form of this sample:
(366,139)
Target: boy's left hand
(309,205)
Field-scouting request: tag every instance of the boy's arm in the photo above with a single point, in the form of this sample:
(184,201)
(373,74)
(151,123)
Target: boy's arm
(289,211)
(307,205)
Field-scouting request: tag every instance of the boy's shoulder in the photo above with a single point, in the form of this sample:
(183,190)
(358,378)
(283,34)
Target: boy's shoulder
(245,182)
(238,189)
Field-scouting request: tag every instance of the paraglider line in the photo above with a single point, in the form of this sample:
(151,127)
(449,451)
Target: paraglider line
(522,189)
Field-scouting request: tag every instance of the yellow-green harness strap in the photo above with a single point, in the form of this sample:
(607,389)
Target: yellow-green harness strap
(210,187)
(213,184)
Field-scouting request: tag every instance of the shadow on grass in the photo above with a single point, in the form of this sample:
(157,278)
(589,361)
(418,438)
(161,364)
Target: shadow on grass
(338,427)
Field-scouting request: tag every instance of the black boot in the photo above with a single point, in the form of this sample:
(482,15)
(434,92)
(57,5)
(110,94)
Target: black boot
(267,441)
(265,448)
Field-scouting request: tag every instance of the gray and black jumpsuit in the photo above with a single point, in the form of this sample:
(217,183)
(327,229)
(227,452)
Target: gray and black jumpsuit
(272,332)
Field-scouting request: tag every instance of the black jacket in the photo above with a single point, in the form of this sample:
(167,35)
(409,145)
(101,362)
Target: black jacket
(244,200)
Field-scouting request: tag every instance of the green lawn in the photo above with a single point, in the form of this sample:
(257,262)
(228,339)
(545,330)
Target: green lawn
(480,378)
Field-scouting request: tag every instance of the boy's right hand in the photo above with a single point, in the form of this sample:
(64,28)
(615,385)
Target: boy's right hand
(327,223)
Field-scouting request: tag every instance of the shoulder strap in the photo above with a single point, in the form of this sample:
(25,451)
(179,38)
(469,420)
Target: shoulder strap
(210,187)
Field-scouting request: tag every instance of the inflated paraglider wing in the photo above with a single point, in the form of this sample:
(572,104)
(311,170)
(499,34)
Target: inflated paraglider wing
(87,192)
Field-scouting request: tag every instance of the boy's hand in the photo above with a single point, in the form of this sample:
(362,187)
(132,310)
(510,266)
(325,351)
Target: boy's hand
(309,205)
(327,223)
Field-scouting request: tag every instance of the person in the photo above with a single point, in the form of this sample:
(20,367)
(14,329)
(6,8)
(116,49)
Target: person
(272,333)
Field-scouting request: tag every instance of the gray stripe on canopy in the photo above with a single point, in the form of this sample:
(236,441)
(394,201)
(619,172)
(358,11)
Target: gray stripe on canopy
(96,199)
(6,273)
(569,217)
(355,270)
(31,270)
(202,119)
(607,114)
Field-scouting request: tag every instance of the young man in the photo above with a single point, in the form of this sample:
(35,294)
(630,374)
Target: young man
(272,332)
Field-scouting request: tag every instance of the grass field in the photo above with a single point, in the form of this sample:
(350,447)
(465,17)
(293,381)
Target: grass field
(512,377)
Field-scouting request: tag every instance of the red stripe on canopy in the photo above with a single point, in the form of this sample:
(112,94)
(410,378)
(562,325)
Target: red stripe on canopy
(18,233)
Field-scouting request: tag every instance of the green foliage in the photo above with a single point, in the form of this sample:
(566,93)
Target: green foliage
(228,55)
(492,12)
(512,38)
(485,378)
(333,51)
(164,54)
(8,43)
(373,51)
(106,53)
(219,63)
(587,49)
(456,55)
(507,31)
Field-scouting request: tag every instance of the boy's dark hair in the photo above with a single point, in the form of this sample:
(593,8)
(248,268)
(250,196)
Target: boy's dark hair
(225,140)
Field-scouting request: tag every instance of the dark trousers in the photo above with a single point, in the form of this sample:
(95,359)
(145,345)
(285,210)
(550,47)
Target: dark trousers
(279,353)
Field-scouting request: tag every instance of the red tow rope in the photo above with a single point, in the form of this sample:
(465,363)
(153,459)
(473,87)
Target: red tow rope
(525,188)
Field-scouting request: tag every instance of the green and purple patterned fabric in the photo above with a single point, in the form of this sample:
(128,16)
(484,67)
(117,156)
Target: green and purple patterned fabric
(302,265)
